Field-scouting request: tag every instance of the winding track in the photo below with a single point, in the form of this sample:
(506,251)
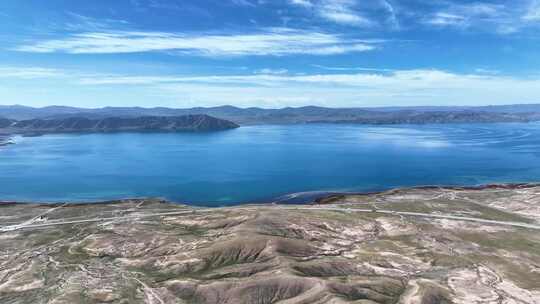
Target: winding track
(27,225)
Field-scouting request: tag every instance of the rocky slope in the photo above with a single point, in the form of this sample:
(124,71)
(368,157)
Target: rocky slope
(412,246)
(190,123)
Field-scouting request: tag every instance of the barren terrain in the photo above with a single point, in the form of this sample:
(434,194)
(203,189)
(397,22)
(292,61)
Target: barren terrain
(421,246)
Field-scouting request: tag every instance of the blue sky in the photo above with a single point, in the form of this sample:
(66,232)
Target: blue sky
(269,53)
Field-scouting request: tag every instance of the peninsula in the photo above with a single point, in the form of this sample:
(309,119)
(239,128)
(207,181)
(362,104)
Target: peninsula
(185,123)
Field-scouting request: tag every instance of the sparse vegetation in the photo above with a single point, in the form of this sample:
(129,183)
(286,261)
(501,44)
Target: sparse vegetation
(274,254)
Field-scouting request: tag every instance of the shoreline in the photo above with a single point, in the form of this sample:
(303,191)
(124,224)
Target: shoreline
(450,241)
(42,132)
(5,140)
(503,186)
(308,198)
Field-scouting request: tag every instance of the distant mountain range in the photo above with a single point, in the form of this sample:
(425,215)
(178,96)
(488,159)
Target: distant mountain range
(309,114)
(185,123)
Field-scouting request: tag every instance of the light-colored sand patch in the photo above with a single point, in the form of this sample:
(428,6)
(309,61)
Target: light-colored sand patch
(483,285)
(408,197)
(20,279)
(468,226)
(8,236)
(469,289)
(395,226)
(412,294)
(104,295)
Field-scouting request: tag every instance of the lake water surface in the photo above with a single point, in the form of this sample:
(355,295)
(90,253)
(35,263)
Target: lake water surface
(261,163)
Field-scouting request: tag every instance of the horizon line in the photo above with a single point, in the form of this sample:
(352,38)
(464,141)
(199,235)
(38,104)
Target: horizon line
(281,108)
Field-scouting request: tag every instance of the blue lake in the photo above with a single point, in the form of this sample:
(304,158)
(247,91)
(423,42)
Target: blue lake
(262,163)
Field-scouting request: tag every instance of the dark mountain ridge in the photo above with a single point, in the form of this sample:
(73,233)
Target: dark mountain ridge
(289,115)
(413,117)
(4,122)
(186,123)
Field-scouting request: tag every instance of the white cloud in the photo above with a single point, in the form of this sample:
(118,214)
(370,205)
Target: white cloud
(29,72)
(344,17)
(242,3)
(272,42)
(482,9)
(338,11)
(77,22)
(500,17)
(399,78)
(351,68)
(272,71)
(533,11)
(443,18)
(304,3)
(381,82)
(487,71)
(277,87)
(465,15)
(392,16)
(404,87)
(497,18)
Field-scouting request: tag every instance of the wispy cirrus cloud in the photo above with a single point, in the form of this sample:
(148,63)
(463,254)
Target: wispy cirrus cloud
(279,87)
(420,78)
(268,71)
(411,87)
(29,72)
(243,3)
(78,22)
(464,15)
(499,17)
(447,19)
(392,18)
(481,15)
(342,11)
(268,42)
(338,11)
(533,12)
(351,68)
(304,3)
